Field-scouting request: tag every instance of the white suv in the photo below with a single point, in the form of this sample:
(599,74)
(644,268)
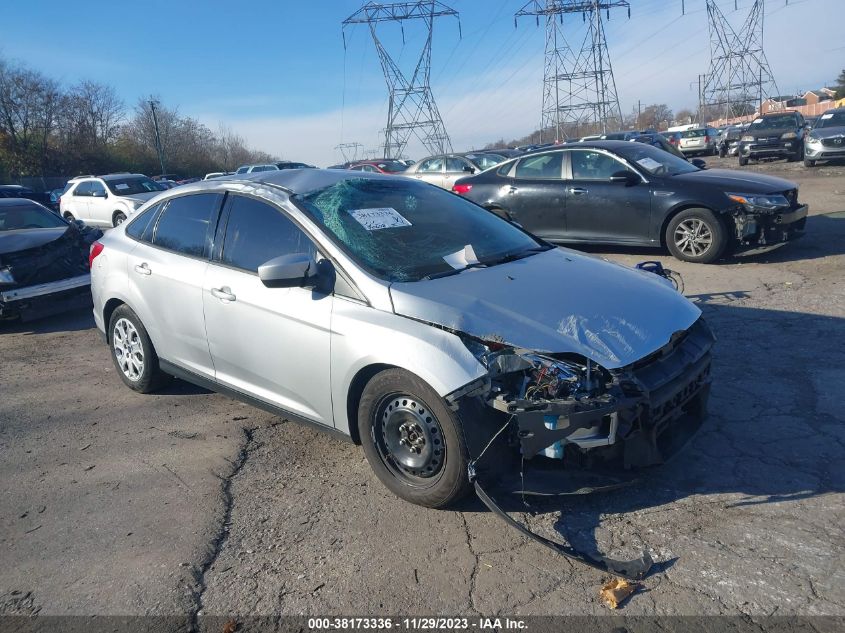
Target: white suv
(106,200)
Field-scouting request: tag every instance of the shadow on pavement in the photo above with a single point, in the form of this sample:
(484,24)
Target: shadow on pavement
(73,321)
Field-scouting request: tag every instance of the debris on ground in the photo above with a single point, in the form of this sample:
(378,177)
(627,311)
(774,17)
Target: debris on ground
(616,591)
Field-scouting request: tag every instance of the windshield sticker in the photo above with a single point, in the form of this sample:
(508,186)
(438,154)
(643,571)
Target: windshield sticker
(827,116)
(649,163)
(121,186)
(462,258)
(375,219)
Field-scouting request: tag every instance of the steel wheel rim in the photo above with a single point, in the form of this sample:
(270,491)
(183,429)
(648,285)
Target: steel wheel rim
(409,440)
(128,350)
(693,237)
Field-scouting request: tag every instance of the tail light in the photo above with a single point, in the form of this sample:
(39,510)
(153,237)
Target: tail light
(706,139)
(461,189)
(96,249)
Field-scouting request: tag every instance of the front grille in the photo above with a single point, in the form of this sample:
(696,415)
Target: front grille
(838,141)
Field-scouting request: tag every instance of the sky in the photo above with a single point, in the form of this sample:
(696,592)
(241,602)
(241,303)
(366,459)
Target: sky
(277,71)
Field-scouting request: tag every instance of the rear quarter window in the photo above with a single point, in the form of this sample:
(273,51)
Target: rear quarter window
(184,225)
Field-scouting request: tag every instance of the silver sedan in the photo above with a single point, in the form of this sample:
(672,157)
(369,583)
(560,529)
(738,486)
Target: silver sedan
(448,342)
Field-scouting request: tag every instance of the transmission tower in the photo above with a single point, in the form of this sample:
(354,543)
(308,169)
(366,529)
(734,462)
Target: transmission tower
(739,78)
(412,109)
(578,84)
(352,147)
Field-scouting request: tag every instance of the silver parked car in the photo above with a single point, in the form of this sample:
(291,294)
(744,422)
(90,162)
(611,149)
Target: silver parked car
(445,169)
(826,141)
(699,141)
(405,318)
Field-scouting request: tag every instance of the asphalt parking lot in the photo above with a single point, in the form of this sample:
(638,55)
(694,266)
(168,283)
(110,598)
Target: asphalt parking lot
(188,502)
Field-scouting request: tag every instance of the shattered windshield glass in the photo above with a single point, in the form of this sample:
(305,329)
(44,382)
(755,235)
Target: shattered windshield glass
(404,231)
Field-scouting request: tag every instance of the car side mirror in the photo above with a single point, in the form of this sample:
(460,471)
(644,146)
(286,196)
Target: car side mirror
(469,169)
(626,177)
(699,163)
(297,270)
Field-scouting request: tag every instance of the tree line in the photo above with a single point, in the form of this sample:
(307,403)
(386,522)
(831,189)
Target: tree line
(47,129)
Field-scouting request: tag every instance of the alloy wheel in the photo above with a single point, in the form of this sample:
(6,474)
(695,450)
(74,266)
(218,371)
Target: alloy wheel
(693,237)
(128,350)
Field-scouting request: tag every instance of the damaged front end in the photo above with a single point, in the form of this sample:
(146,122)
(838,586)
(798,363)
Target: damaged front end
(571,409)
(764,222)
(571,417)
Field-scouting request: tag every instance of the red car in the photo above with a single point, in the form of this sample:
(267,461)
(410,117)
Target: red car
(386,166)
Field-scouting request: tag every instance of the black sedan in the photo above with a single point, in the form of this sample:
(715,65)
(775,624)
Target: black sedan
(43,261)
(618,192)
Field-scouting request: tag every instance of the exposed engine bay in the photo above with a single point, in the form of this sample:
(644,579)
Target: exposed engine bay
(570,408)
(583,416)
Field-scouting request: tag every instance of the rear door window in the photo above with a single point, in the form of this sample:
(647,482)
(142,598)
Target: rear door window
(83,189)
(257,232)
(184,226)
(541,166)
(432,165)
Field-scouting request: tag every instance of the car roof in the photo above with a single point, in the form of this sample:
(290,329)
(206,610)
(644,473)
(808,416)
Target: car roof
(293,181)
(108,176)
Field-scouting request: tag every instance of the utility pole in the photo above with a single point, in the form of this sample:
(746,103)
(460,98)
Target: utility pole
(578,84)
(412,109)
(639,113)
(153,104)
(739,73)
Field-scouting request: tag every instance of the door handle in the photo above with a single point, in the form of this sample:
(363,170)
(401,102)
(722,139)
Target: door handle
(224,293)
(512,190)
(577,191)
(142,269)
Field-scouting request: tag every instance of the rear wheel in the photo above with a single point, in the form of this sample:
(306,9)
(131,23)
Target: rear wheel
(696,235)
(413,442)
(132,352)
(68,216)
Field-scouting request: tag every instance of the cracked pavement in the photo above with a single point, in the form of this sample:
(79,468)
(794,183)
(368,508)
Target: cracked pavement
(190,503)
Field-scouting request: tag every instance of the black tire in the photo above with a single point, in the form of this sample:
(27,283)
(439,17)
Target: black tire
(743,161)
(118,218)
(394,400)
(712,236)
(809,163)
(149,376)
(722,152)
(68,216)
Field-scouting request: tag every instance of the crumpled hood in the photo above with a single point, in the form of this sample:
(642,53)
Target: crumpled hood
(738,181)
(556,301)
(23,239)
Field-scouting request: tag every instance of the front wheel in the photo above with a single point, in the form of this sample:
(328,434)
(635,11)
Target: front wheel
(743,161)
(118,218)
(133,353)
(809,163)
(68,216)
(696,235)
(413,442)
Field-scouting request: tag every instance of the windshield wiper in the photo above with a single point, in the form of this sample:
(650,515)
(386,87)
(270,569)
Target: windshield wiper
(520,255)
(455,271)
